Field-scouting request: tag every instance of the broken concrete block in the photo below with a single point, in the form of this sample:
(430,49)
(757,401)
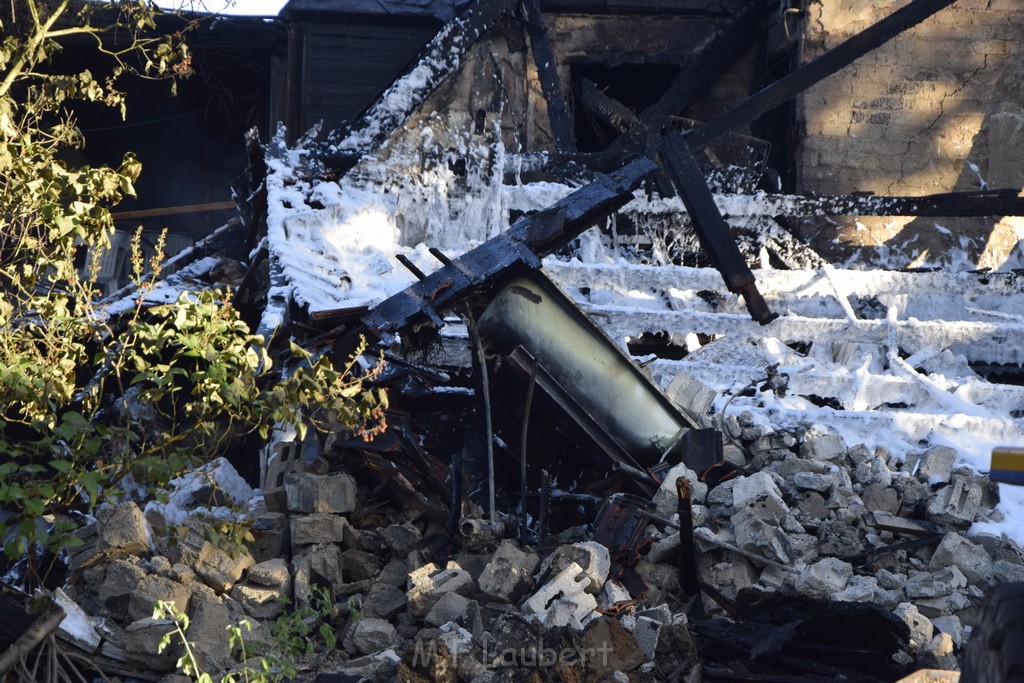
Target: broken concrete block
(591,556)
(316,529)
(873,470)
(141,644)
(608,647)
(373,635)
(813,481)
(120,531)
(877,497)
(508,576)
(935,584)
(358,564)
(114,593)
(970,558)
(824,577)
(692,395)
(213,484)
(384,601)
(568,587)
(332,493)
(665,549)
(646,632)
(666,498)
(271,573)
(450,607)
(318,565)
(218,570)
(612,593)
(921,629)
(758,536)
(758,496)
(827,447)
(151,590)
(957,504)
(428,583)
(260,602)
(858,589)
(950,625)
(1005,571)
(400,539)
(934,466)
(209,636)
(270,531)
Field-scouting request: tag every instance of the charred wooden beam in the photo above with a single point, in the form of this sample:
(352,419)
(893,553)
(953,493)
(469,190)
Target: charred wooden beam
(949,204)
(547,71)
(816,70)
(695,79)
(611,111)
(444,288)
(441,57)
(703,7)
(712,230)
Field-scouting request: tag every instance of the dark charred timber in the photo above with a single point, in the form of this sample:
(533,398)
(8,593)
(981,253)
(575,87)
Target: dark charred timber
(689,576)
(703,7)
(712,230)
(610,110)
(695,79)
(950,204)
(444,288)
(442,55)
(547,72)
(824,66)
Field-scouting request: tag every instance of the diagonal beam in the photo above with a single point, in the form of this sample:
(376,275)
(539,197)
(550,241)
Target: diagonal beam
(816,70)
(547,71)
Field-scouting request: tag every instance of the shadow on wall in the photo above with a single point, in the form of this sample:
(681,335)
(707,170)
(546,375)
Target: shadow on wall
(938,109)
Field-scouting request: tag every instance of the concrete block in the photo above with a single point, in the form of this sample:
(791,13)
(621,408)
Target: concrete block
(812,481)
(824,577)
(373,635)
(316,529)
(508,576)
(957,504)
(758,536)
(666,498)
(591,556)
(332,493)
(384,601)
(936,584)
(646,632)
(665,549)
(612,593)
(150,590)
(970,558)
(569,589)
(921,629)
(934,466)
(272,573)
(828,447)
(758,496)
(952,626)
(318,565)
(428,583)
(1005,571)
(208,634)
(142,641)
(692,395)
(218,570)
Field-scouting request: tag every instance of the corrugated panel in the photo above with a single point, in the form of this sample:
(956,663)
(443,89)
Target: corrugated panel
(347,66)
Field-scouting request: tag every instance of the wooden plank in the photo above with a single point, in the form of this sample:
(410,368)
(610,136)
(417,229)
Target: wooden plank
(173,210)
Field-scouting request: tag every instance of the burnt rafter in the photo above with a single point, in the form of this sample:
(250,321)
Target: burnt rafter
(816,70)
(518,246)
(547,72)
(611,111)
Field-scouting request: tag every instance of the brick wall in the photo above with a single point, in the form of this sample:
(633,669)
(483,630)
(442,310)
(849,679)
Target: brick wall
(913,116)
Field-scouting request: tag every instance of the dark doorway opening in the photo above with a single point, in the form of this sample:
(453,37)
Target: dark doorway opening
(637,86)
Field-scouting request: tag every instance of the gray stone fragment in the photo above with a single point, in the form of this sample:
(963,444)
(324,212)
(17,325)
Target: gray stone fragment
(316,529)
(665,549)
(934,466)
(271,573)
(209,636)
(564,598)
(428,583)
(813,506)
(811,481)
(333,493)
(260,602)
(935,584)
(722,494)
(509,574)
(450,607)
(646,632)
(114,593)
(591,556)
(384,601)
(952,626)
(270,531)
(825,447)
(877,497)
(400,539)
(970,558)
(921,629)
(758,496)
(218,570)
(151,590)
(120,531)
(957,504)
(859,589)
(661,613)
(824,577)
(1005,571)
(358,565)
(758,536)
(318,565)
(373,635)
(141,644)
(692,395)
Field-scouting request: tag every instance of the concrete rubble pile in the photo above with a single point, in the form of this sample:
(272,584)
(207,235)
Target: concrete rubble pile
(805,518)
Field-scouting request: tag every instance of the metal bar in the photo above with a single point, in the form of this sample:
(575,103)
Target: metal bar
(547,72)
(711,228)
(523,457)
(816,70)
